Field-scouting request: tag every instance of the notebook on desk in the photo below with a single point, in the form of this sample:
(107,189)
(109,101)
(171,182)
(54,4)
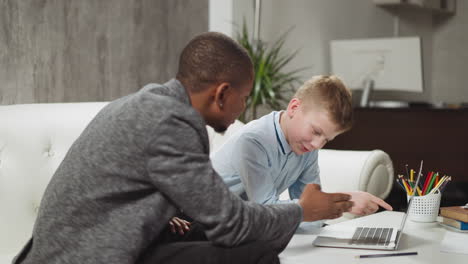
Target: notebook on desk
(375,237)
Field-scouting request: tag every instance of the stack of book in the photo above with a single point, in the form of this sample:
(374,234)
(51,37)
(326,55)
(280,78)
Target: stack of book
(455,216)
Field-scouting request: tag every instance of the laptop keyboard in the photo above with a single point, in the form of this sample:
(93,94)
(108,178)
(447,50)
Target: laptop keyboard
(371,236)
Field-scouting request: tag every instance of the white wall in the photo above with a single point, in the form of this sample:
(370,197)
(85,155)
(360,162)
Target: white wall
(450,61)
(316,22)
(221,16)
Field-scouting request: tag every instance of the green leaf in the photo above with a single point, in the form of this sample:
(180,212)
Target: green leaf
(270,81)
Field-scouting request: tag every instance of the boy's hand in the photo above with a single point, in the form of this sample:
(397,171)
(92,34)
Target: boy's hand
(318,205)
(366,203)
(179,225)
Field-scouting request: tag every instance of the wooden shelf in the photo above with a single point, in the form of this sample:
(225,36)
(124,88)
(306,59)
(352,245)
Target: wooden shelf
(437,7)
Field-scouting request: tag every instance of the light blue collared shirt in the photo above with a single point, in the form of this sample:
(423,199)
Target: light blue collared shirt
(258,164)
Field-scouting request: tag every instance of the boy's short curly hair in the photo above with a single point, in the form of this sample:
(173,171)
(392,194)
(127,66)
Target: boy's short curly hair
(330,94)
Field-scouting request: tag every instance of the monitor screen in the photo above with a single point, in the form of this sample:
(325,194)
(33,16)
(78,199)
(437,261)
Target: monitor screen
(391,63)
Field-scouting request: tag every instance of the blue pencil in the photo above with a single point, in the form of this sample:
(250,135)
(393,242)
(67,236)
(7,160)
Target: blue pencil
(401,185)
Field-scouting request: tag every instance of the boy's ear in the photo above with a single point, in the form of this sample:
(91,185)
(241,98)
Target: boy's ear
(293,107)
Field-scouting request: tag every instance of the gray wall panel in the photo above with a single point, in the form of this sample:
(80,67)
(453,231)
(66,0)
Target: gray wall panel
(87,50)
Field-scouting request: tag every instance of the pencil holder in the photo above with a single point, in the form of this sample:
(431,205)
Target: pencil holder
(425,208)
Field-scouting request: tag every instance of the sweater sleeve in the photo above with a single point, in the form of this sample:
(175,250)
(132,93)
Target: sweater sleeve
(179,166)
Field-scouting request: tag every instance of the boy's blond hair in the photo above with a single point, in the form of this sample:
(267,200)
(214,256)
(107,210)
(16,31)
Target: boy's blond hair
(330,94)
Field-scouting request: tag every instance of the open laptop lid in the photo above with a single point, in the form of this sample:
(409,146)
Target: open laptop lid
(411,198)
(410,202)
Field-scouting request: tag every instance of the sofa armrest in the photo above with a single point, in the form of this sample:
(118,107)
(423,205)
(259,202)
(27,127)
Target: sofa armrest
(347,170)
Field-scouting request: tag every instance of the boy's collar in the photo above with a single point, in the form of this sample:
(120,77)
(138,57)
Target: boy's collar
(284,146)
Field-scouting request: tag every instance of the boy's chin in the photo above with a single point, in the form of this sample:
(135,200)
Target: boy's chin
(298,152)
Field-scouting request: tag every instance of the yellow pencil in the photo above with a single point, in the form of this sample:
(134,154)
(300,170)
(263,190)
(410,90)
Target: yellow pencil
(439,184)
(408,189)
(444,178)
(419,191)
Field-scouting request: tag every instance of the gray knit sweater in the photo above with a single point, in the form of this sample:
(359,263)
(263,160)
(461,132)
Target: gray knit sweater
(142,158)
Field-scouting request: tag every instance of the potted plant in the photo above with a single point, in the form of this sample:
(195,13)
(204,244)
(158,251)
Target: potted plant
(271,83)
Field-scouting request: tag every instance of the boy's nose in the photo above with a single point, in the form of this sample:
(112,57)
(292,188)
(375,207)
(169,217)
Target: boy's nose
(314,145)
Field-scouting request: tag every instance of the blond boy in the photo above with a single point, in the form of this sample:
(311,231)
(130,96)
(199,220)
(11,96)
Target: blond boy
(279,151)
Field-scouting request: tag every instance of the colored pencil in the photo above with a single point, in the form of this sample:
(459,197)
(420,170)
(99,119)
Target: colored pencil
(387,255)
(426,183)
(429,188)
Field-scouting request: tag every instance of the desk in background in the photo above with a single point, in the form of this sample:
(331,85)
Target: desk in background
(438,136)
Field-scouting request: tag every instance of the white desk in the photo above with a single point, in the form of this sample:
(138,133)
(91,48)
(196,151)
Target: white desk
(424,238)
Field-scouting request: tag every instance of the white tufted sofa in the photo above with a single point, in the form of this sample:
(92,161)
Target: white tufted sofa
(35,137)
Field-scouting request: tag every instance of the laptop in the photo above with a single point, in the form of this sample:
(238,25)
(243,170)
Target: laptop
(375,237)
